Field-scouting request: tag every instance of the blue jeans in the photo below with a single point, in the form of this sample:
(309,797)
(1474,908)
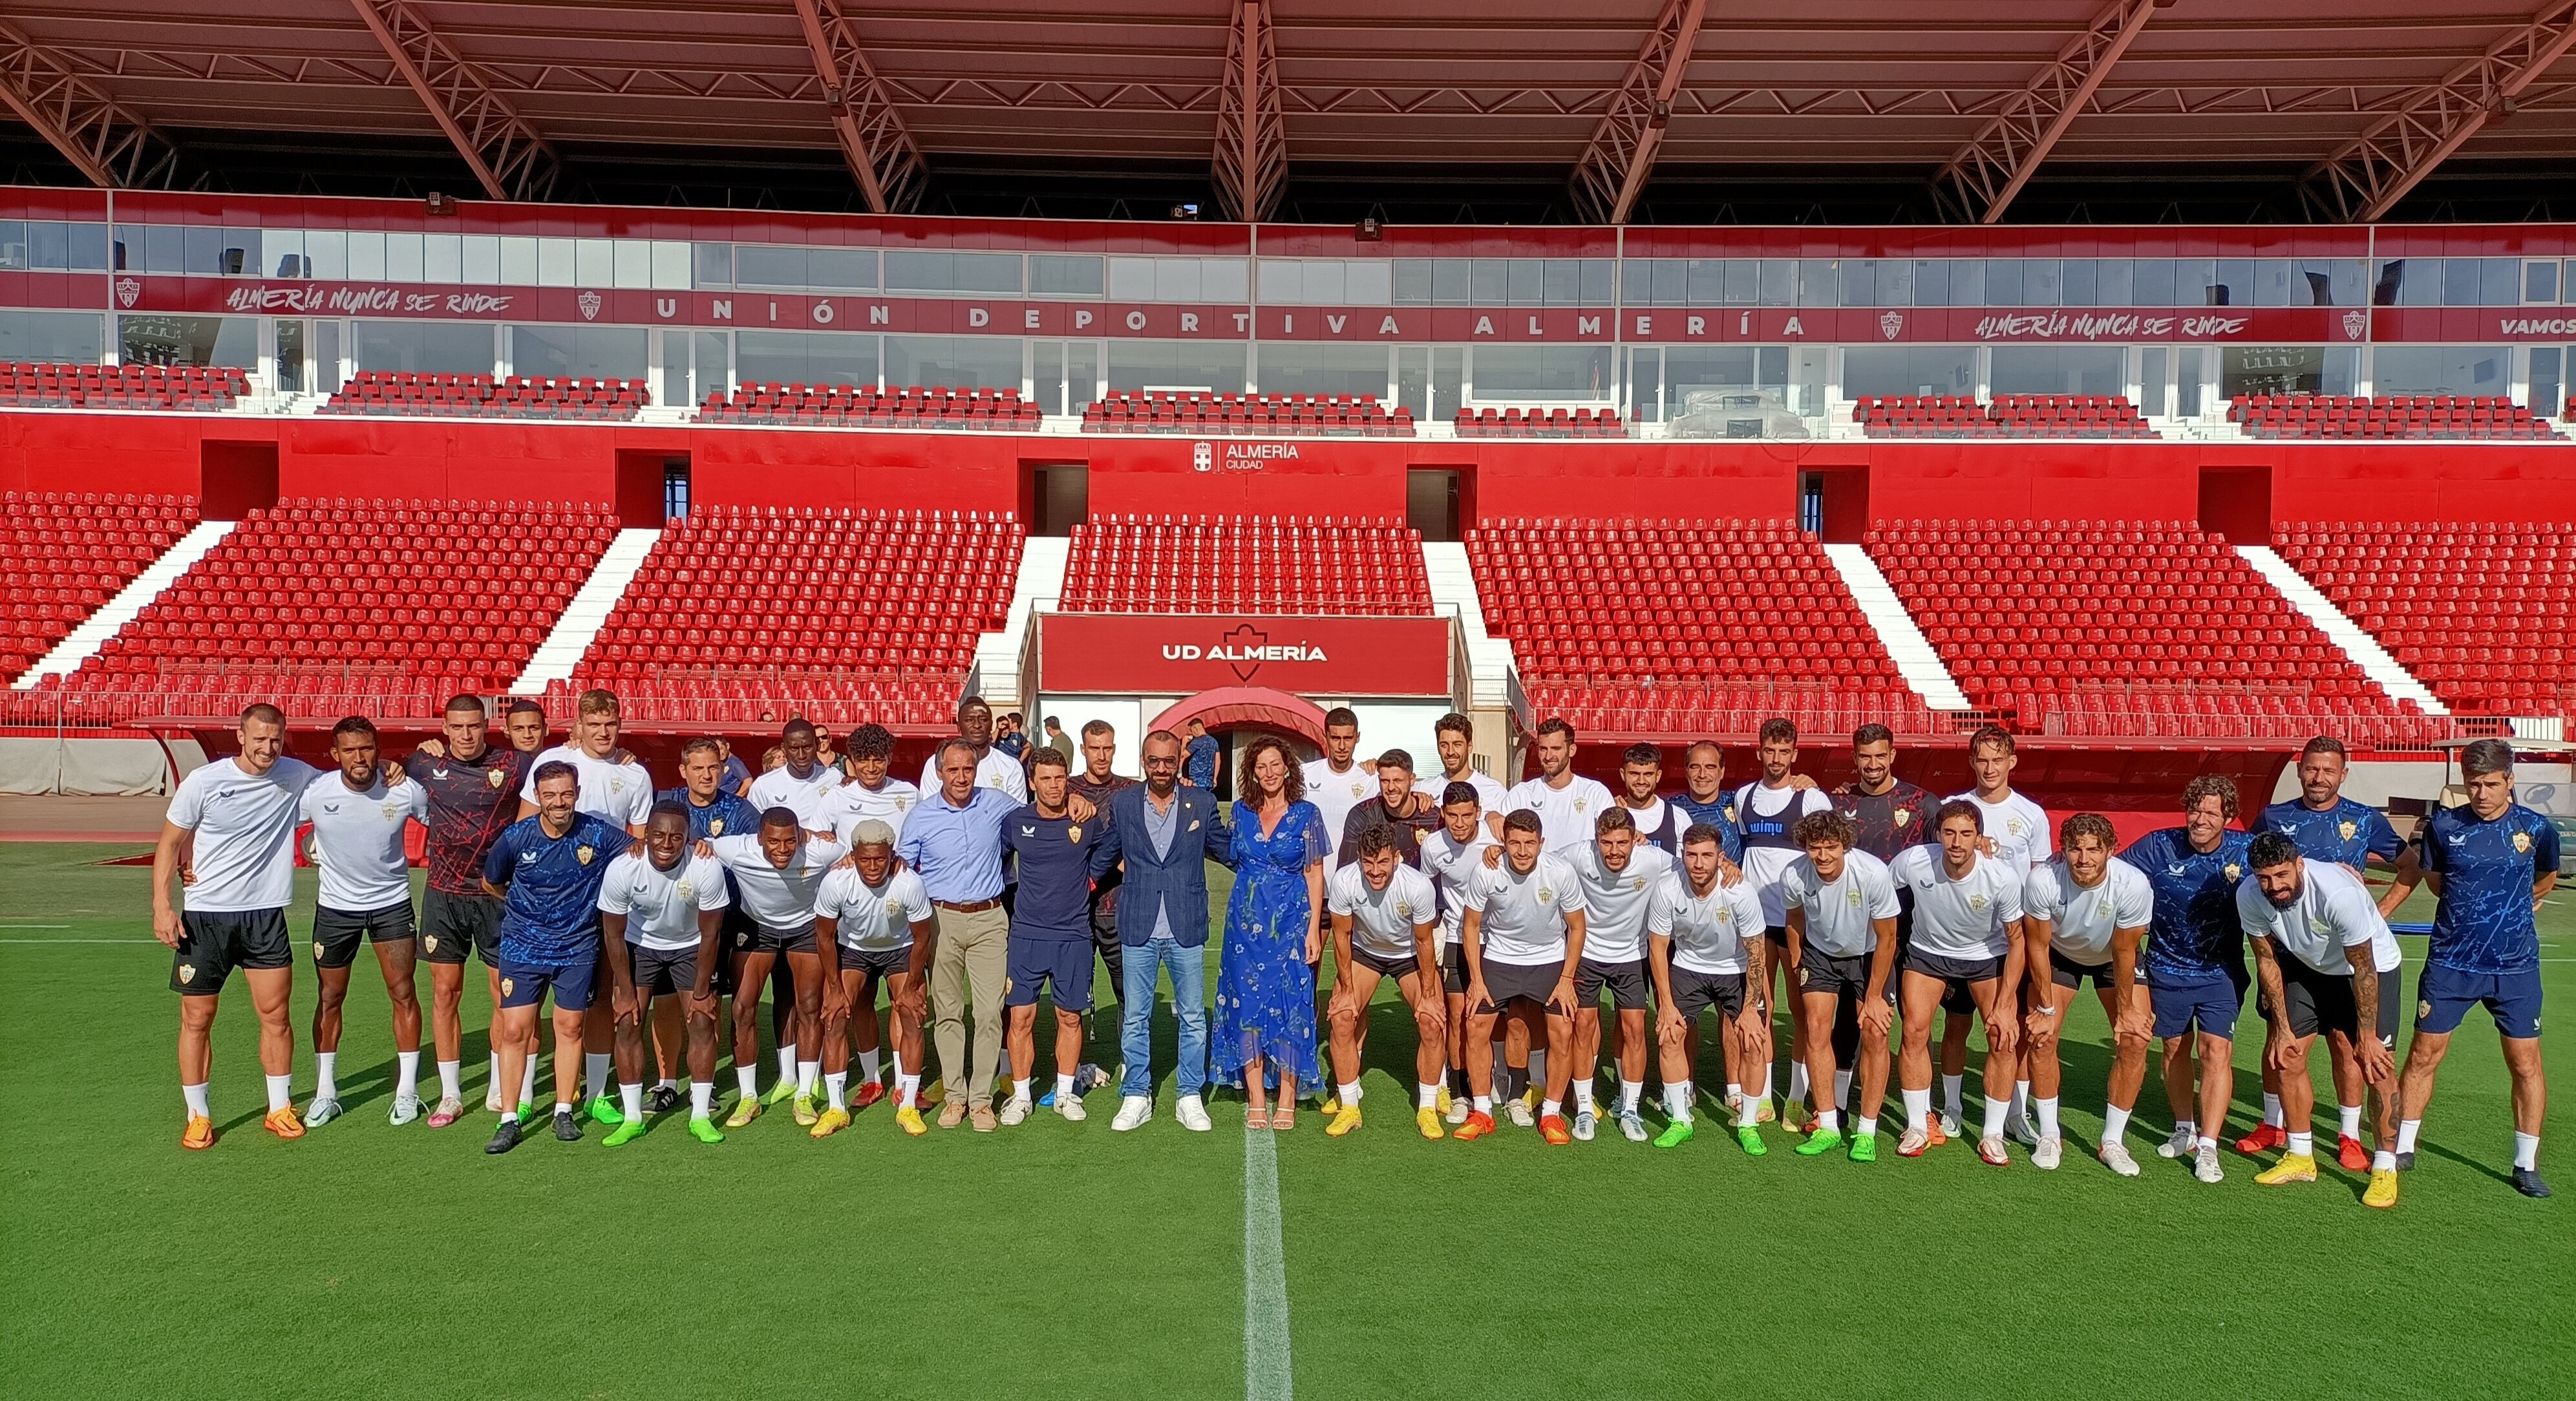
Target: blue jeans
(1189,1007)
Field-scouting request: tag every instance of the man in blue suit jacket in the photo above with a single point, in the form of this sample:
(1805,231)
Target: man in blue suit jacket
(1166,834)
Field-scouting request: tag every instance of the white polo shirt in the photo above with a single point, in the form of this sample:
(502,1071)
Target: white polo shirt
(995,770)
(2082,921)
(2018,826)
(1382,921)
(1709,931)
(1452,864)
(777,897)
(845,807)
(244,853)
(873,919)
(1842,914)
(1565,815)
(618,794)
(803,796)
(1523,916)
(357,841)
(2334,912)
(1964,918)
(1490,792)
(1615,903)
(661,907)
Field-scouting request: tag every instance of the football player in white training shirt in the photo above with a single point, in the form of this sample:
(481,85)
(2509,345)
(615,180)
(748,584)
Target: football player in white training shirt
(993,768)
(1767,813)
(1524,940)
(1334,784)
(661,916)
(1620,874)
(1840,903)
(2084,916)
(873,924)
(1385,919)
(1967,938)
(619,793)
(239,813)
(870,794)
(359,818)
(1455,734)
(2017,835)
(2327,961)
(1565,801)
(1705,947)
(801,783)
(1451,857)
(776,875)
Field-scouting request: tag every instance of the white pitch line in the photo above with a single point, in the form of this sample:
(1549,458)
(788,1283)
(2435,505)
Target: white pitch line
(1266,1372)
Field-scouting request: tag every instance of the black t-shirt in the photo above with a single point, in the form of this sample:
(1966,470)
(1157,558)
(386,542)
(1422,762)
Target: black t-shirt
(1889,822)
(1409,831)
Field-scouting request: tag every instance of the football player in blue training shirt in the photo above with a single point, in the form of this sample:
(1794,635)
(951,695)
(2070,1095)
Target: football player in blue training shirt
(714,809)
(2327,826)
(1050,940)
(2491,862)
(547,869)
(2195,962)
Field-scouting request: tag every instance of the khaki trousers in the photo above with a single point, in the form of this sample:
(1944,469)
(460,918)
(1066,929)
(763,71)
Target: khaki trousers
(973,955)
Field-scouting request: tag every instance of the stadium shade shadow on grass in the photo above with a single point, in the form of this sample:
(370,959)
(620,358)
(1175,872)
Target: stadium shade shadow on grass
(1063,1260)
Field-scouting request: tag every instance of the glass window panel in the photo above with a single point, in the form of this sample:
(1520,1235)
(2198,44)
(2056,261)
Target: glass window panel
(670,265)
(2115,282)
(1743,276)
(1412,283)
(1528,282)
(2460,281)
(160,248)
(2060,369)
(1131,279)
(1486,279)
(1967,281)
(192,340)
(2499,281)
(630,263)
(1451,281)
(89,247)
(1066,275)
(429,347)
(2076,283)
(1283,282)
(199,252)
(1895,281)
(908,270)
(806,357)
(841,269)
(591,352)
(1284,367)
(403,257)
(762,265)
(2154,283)
(1860,282)
(1324,282)
(2235,285)
(1598,274)
(481,260)
(989,272)
(1215,367)
(1779,286)
(2042,282)
(1564,282)
(328,251)
(2441,369)
(954,362)
(714,360)
(51,337)
(1367,282)
(594,262)
(442,258)
(2388,282)
(281,253)
(1225,280)
(17,251)
(1540,372)
(2312,282)
(2271,369)
(554,262)
(2196,281)
(2189,387)
(2350,278)
(1931,282)
(2272,284)
(518,261)
(366,256)
(1816,279)
(2003,282)
(1671,283)
(1909,369)
(1706,282)
(2343,369)
(712,264)
(2548,397)
(2540,283)
(1177,279)
(2567,282)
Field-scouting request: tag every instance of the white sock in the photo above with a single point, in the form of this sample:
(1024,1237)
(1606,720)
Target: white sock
(2115,1123)
(1677,1101)
(806,1070)
(2047,1116)
(528,1080)
(1842,1088)
(407,1075)
(837,1085)
(492,1076)
(907,1089)
(1550,1108)
(1583,1096)
(2526,1151)
(2348,1120)
(1765,1091)
(2383,1161)
(1918,1108)
(195,1095)
(1996,1109)
(326,1074)
(2303,1145)
(1951,1089)
(1798,1080)
(868,1065)
(2272,1111)
(1630,1091)
(1482,1104)
(451,1079)
(594,1075)
(2205,1141)
(1428,1092)
(787,1061)
(748,1076)
(281,1092)
(1867,1128)
(2406,1131)
(1829,1121)
(1020,1090)
(631,1099)
(1064,1090)
(1734,1090)
(666,1083)
(702,1099)
(2021,1102)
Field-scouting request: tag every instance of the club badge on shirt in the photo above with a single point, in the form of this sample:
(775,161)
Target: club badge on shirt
(1636,882)
(495,777)
(1581,803)
(1975,902)
(1359,788)
(2103,910)
(893,906)
(2012,826)
(1545,895)
(2346,829)
(1404,908)
(583,853)
(1851,897)
(716,828)
(2522,843)
(1073,832)
(392,810)
(2234,871)
(688,892)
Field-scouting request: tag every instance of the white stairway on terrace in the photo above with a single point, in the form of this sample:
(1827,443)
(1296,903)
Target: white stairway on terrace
(83,642)
(1453,590)
(1905,643)
(588,612)
(996,676)
(2340,629)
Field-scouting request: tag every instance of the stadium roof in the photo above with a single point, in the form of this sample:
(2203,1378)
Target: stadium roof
(1619,105)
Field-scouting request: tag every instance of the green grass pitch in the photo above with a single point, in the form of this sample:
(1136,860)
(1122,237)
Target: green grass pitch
(1062,1260)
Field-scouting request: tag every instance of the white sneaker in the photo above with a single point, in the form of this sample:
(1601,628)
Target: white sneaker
(406,1108)
(1583,1121)
(1070,1106)
(492,1101)
(1133,1110)
(2178,1146)
(1949,1125)
(1520,1114)
(1192,1114)
(1015,1112)
(2045,1155)
(2115,1156)
(1632,1127)
(1460,1106)
(2205,1164)
(2019,1130)
(320,1112)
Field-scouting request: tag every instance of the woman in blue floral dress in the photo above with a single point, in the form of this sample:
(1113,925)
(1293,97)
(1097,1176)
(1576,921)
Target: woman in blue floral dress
(1265,988)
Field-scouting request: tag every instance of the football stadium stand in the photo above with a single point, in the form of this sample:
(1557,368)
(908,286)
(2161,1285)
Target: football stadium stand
(2483,614)
(187,388)
(1266,564)
(63,555)
(2009,416)
(1539,423)
(484,396)
(843,406)
(2386,416)
(1294,415)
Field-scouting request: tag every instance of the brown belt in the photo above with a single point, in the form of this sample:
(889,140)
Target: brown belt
(975,907)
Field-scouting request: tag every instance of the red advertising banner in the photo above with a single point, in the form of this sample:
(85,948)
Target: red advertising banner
(1183,654)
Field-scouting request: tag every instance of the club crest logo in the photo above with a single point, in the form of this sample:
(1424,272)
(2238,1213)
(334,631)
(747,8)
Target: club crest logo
(2423,1008)
(2354,323)
(1636,882)
(1202,455)
(187,972)
(688,891)
(392,810)
(429,943)
(902,803)
(894,907)
(1851,897)
(2012,825)
(127,289)
(1545,895)
(1730,812)
(742,938)
(716,828)
(589,304)
(583,853)
(1802,975)
(2103,909)
(318,951)
(1581,803)
(2522,843)
(1073,832)
(2346,830)
(1900,816)
(1359,788)
(1891,324)
(496,778)
(1404,908)
(1977,903)
(509,987)
(2235,871)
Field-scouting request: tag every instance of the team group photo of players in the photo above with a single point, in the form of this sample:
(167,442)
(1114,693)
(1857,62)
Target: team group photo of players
(906,934)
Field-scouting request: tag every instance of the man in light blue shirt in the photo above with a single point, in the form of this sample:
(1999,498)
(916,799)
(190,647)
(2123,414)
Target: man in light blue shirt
(953,840)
